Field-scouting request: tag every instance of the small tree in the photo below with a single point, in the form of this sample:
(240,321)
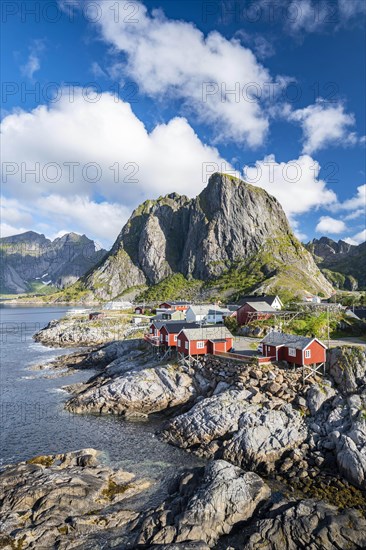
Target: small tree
(231,323)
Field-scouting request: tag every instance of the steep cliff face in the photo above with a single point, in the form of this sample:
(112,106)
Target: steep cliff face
(231,229)
(30,261)
(342,263)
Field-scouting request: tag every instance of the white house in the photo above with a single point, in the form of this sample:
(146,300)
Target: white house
(198,313)
(209,313)
(217,314)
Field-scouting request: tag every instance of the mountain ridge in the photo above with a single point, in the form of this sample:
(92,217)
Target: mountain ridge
(343,264)
(30,261)
(230,227)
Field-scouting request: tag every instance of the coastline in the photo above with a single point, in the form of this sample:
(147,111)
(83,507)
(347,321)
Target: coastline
(262,434)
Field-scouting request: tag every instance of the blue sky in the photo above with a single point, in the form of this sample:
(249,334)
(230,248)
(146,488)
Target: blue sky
(107,103)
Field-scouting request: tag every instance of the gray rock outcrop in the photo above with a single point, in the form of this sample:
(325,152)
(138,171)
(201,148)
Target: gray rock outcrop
(205,507)
(347,367)
(307,524)
(68,332)
(264,435)
(318,395)
(142,391)
(211,418)
(55,500)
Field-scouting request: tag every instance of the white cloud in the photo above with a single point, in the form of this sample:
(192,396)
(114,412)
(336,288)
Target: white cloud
(310,16)
(324,124)
(295,183)
(97,70)
(7,230)
(357,203)
(33,63)
(357,239)
(356,214)
(348,9)
(84,214)
(330,226)
(107,133)
(171,58)
(262,47)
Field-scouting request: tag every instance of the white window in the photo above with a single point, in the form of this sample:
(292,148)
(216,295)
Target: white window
(151,331)
(167,338)
(175,337)
(186,345)
(200,345)
(307,353)
(292,352)
(179,343)
(161,338)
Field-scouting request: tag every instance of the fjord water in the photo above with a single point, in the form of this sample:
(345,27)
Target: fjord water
(33,420)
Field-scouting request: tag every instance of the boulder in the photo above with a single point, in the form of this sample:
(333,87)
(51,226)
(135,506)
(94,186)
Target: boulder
(211,418)
(317,395)
(264,436)
(53,501)
(143,391)
(307,524)
(347,367)
(351,460)
(206,507)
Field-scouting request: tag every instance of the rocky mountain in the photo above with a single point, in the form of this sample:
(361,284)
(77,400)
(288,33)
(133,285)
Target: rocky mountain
(31,262)
(233,237)
(343,264)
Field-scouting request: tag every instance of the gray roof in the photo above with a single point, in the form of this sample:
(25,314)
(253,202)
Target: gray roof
(207,333)
(256,298)
(260,306)
(293,340)
(175,327)
(158,324)
(232,307)
(171,323)
(219,310)
(201,309)
(204,309)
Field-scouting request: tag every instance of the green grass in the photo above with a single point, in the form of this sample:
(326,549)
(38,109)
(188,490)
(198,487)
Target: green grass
(36,287)
(172,288)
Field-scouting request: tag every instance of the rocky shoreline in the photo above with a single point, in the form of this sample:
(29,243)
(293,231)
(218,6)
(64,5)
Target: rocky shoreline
(286,460)
(71,331)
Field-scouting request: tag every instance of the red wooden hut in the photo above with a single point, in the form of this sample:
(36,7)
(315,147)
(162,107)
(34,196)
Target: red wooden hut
(298,350)
(203,340)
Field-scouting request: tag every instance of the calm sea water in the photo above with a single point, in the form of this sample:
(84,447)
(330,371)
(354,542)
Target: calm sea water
(33,420)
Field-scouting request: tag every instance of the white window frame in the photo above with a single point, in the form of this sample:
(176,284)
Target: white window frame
(186,345)
(167,337)
(200,344)
(308,354)
(175,337)
(179,342)
(161,337)
(292,352)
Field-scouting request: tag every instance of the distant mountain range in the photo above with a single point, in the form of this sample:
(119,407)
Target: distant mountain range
(32,263)
(232,238)
(343,264)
